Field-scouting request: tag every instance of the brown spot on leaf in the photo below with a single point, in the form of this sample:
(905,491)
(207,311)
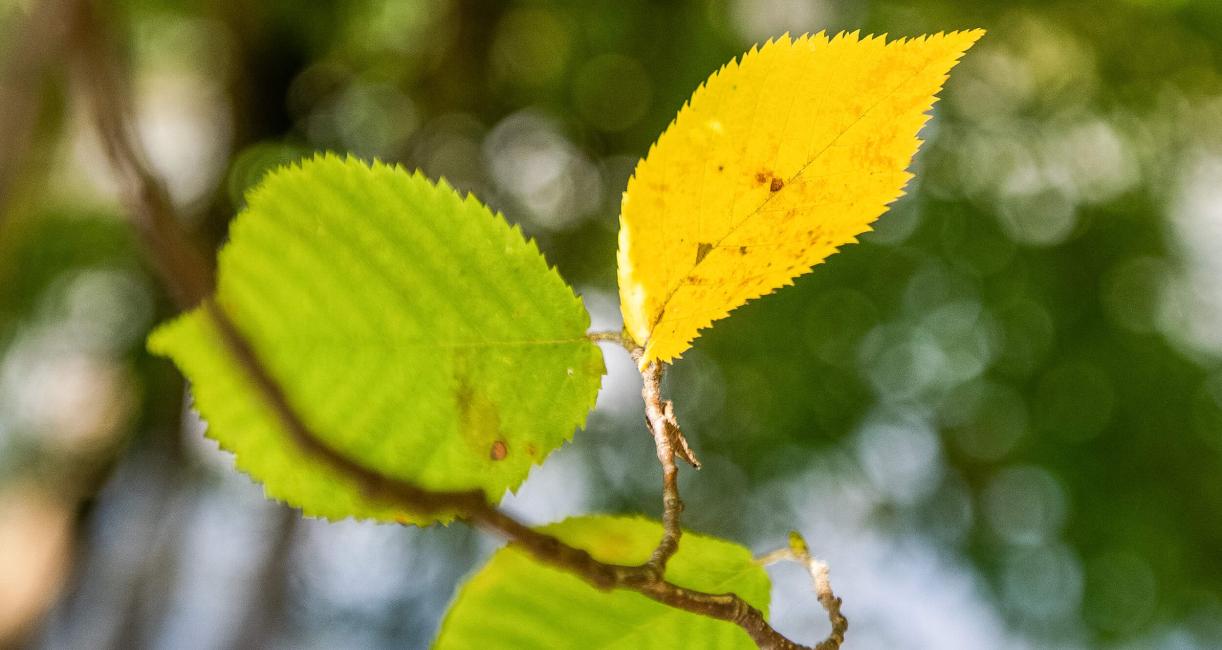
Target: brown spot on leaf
(499,450)
(776,185)
(702,250)
(479,419)
(532,450)
(742,250)
(761,177)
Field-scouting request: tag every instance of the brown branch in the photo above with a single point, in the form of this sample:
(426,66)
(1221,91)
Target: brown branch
(799,552)
(187,273)
(188,276)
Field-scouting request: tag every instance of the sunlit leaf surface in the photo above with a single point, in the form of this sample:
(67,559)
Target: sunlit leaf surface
(413,329)
(777,160)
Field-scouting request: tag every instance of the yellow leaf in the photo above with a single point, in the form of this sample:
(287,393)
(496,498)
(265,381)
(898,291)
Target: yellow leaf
(775,162)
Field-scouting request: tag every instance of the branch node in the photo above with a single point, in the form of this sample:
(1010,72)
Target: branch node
(675,435)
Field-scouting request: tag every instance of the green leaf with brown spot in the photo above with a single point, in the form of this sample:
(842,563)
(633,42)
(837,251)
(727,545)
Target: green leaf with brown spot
(413,329)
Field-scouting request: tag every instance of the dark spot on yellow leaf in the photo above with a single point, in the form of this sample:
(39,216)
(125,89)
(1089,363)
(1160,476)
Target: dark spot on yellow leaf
(721,168)
(742,250)
(499,450)
(776,185)
(761,177)
(702,250)
(532,450)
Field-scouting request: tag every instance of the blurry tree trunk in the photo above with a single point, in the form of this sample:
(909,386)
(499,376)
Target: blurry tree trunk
(265,610)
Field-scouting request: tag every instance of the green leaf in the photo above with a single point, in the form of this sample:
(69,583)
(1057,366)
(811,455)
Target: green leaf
(515,602)
(412,329)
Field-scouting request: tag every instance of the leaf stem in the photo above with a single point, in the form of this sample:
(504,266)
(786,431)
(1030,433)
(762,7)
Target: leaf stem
(619,338)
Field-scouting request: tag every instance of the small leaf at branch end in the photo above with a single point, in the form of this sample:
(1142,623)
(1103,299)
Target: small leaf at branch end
(515,602)
(777,160)
(412,329)
(797,544)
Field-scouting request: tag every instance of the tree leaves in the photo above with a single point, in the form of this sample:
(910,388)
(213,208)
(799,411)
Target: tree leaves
(515,602)
(776,161)
(413,329)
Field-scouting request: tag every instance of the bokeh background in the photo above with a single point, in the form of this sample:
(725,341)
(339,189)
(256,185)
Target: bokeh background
(999,417)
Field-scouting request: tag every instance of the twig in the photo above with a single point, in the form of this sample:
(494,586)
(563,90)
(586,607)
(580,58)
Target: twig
(660,415)
(660,418)
(187,275)
(799,552)
(668,440)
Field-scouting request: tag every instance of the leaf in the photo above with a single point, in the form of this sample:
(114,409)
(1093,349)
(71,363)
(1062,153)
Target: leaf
(774,163)
(515,602)
(413,329)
